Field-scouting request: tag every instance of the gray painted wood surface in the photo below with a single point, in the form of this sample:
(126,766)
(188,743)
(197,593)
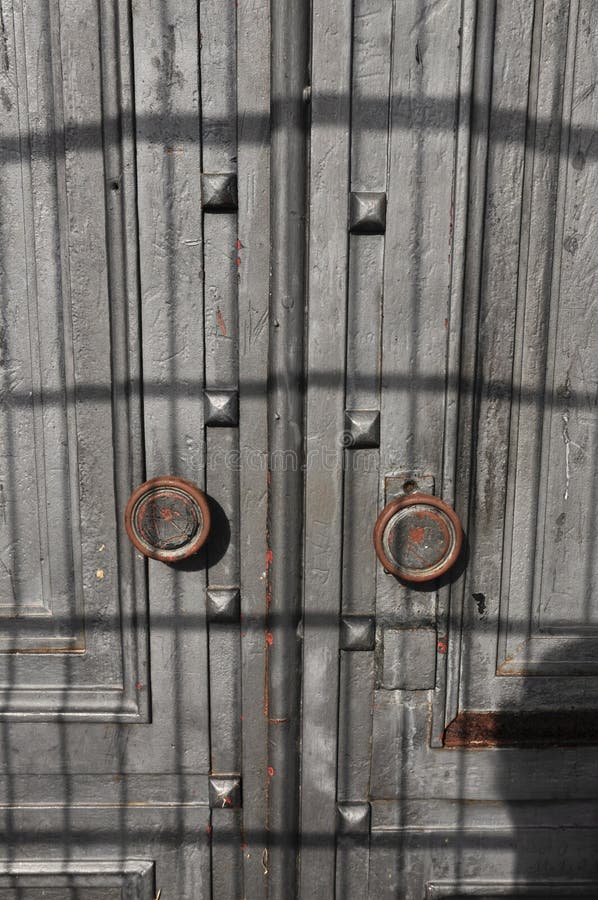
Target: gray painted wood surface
(150,743)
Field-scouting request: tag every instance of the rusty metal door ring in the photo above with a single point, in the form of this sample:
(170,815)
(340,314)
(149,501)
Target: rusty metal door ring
(418,537)
(168,518)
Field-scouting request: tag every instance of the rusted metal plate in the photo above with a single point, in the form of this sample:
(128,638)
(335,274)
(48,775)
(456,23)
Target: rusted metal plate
(500,728)
(168,518)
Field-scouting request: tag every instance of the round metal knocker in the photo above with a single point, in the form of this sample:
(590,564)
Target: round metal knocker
(168,518)
(418,537)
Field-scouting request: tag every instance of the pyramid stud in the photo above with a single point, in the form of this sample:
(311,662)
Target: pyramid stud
(358,633)
(367,212)
(353,818)
(219,192)
(221,408)
(223,604)
(362,428)
(225,792)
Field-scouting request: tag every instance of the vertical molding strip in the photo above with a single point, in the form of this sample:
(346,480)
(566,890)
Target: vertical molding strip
(218,62)
(253,123)
(289,74)
(325,425)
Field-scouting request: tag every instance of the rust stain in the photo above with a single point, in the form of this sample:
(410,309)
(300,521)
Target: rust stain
(221,323)
(269,560)
(269,638)
(502,728)
(267,685)
(417,534)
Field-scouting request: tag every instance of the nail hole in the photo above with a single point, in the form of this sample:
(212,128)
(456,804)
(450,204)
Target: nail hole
(409,486)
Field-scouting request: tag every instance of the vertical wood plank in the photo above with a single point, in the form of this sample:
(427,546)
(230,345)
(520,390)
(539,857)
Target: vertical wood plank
(170,235)
(253,111)
(331,66)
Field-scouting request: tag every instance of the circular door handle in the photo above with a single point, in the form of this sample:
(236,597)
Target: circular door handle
(418,537)
(168,518)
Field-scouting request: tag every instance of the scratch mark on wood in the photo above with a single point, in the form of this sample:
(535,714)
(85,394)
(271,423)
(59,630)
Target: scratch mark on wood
(221,323)
(5,59)
(567,442)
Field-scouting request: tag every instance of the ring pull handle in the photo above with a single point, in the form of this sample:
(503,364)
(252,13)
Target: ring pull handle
(418,537)
(168,518)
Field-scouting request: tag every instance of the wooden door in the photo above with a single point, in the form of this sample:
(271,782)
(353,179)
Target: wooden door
(129,318)
(452,349)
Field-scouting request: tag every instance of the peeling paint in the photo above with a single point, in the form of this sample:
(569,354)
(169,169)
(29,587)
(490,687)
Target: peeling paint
(567,442)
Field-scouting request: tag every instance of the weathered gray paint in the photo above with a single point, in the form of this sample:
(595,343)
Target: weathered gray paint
(384,263)
(285,400)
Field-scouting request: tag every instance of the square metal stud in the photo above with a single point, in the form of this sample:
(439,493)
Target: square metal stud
(353,819)
(219,192)
(367,212)
(221,408)
(223,604)
(225,792)
(362,428)
(358,633)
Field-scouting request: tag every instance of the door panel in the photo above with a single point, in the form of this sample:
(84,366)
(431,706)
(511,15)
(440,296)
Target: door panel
(195,730)
(540,606)
(467,370)
(69,589)
(134,274)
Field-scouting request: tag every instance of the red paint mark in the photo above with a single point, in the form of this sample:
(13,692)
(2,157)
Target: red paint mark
(269,560)
(208,829)
(243,846)
(221,323)
(446,323)
(269,638)
(238,260)
(270,771)
(417,534)
(240,246)
(139,686)
(442,645)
